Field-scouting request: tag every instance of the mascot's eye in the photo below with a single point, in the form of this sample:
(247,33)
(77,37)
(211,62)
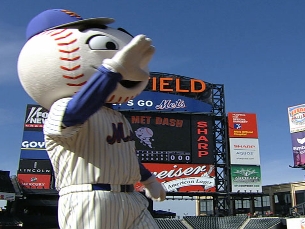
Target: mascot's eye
(100,42)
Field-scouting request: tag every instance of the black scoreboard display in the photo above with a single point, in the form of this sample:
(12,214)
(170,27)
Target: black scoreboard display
(164,156)
(171,137)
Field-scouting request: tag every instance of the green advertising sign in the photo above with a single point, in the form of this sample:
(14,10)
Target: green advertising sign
(246,178)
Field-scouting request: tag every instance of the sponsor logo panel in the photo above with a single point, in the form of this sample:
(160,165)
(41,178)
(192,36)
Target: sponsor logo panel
(34,181)
(175,83)
(296,117)
(298,148)
(33,145)
(35,117)
(242,125)
(152,101)
(244,151)
(246,178)
(183,177)
(35,167)
(33,140)
(202,139)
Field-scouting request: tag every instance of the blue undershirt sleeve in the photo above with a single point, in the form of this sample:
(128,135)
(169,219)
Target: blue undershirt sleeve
(145,173)
(91,96)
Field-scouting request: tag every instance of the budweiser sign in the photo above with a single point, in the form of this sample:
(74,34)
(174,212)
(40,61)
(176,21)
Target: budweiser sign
(183,177)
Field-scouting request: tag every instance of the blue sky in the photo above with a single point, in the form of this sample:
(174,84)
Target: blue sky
(256,48)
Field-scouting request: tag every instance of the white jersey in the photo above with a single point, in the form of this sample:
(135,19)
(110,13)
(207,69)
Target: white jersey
(101,150)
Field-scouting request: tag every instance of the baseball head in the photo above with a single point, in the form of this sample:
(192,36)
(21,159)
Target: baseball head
(58,59)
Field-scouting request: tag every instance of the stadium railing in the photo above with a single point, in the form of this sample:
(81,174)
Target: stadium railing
(298,210)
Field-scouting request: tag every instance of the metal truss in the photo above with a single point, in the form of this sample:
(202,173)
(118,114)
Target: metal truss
(222,179)
(214,94)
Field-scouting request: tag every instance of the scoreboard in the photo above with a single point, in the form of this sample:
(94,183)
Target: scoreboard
(172,126)
(172,137)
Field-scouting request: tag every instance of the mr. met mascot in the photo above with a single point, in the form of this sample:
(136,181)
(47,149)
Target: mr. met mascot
(76,68)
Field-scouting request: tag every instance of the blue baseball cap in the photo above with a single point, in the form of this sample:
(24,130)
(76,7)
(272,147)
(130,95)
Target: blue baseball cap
(59,18)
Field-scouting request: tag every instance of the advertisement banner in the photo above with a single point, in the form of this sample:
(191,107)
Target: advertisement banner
(7,196)
(35,117)
(296,117)
(33,140)
(183,177)
(35,167)
(34,181)
(202,139)
(242,125)
(180,85)
(246,178)
(244,151)
(33,145)
(156,101)
(298,148)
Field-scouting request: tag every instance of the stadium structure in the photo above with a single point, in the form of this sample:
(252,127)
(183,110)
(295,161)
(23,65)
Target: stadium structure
(185,137)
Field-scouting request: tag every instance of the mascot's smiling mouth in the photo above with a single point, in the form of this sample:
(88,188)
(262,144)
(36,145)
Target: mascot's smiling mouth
(129,83)
(124,83)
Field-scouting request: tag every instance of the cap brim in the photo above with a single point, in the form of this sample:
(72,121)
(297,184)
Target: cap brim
(89,21)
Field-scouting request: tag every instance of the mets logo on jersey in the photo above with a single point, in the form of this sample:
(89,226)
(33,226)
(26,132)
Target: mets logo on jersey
(118,134)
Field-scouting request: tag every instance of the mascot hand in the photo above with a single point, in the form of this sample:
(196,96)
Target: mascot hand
(133,59)
(153,189)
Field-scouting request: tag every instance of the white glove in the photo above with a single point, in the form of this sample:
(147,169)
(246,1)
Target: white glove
(153,189)
(132,60)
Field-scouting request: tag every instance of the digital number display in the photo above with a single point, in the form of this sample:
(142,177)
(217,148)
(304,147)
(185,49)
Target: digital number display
(164,156)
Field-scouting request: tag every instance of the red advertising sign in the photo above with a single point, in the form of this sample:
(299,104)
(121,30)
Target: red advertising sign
(242,125)
(183,177)
(34,181)
(202,139)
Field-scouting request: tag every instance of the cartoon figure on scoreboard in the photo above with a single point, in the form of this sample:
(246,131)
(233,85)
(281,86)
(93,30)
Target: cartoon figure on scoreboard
(144,134)
(76,68)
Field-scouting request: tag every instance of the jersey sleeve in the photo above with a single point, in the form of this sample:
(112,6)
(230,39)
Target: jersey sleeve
(54,126)
(91,96)
(145,173)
